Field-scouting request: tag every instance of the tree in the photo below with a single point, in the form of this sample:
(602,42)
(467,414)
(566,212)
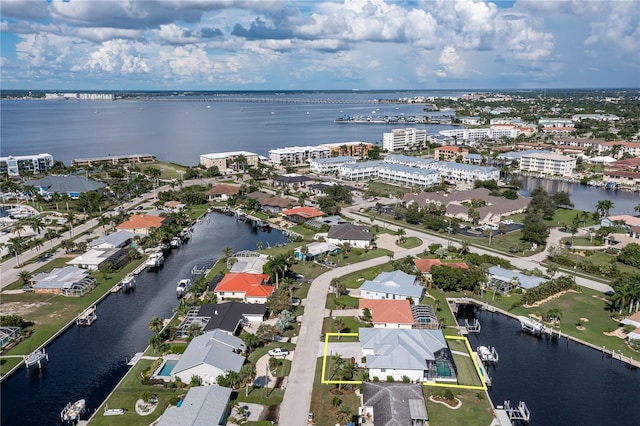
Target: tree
(266,332)
(630,255)
(25,277)
(16,245)
(339,287)
(339,324)
(260,245)
(603,207)
(534,229)
(562,199)
(304,250)
(155,325)
(247,375)
(366,315)
(284,319)
(278,265)
(227,251)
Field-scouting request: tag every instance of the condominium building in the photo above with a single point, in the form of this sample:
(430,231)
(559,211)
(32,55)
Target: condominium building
(458,172)
(555,122)
(404,139)
(331,164)
(32,164)
(360,171)
(450,153)
(113,159)
(353,149)
(227,161)
(295,155)
(547,163)
(479,134)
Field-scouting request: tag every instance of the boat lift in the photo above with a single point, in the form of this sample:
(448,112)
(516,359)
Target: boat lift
(36,357)
(520,413)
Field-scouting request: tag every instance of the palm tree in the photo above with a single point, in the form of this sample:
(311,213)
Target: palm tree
(304,250)
(603,207)
(155,325)
(227,251)
(247,375)
(260,245)
(16,245)
(25,277)
(67,245)
(464,247)
(338,323)
(18,227)
(36,224)
(70,219)
(277,265)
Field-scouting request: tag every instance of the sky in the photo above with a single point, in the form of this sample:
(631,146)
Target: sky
(318,45)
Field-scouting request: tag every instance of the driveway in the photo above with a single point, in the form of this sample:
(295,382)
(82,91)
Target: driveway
(345,349)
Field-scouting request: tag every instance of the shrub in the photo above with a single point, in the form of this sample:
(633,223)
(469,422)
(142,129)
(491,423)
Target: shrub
(375,379)
(406,379)
(390,379)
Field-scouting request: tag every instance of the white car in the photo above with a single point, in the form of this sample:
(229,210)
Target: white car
(278,352)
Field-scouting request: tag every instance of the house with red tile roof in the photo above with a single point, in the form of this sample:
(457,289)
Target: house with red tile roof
(389,313)
(302,214)
(250,288)
(425,265)
(140,224)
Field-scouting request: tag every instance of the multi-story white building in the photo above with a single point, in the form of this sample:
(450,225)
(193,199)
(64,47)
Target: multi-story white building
(595,117)
(478,134)
(422,163)
(458,172)
(403,139)
(297,154)
(547,163)
(555,122)
(33,164)
(331,164)
(360,171)
(409,176)
(227,161)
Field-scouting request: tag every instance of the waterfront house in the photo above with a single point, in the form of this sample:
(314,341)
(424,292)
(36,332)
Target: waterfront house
(505,280)
(174,206)
(246,262)
(250,288)
(141,224)
(396,285)
(302,214)
(393,404)
(388,313)
(94,258)
(425,265)
(354,235)
(203,405)
(633,320)
(315,250)
(72,185)
(228,316)
(118,239)
(421,355)
(222,192)
(634,335)
(208,356)
(67,281)
(270,203)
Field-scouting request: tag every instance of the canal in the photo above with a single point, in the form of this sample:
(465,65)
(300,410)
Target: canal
(562,382)
(88,362)
(585,197)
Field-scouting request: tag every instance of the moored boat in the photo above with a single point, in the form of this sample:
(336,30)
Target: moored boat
(128,283)
(183,286)
(87,317)
(72,412)
(155,260)
(530,325)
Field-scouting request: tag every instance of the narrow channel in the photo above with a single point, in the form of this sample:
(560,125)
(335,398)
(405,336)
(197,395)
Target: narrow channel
(88,362)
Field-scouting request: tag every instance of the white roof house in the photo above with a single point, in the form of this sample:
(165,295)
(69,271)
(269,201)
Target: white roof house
(250,264)
(396,285)
(116,239)
(203,405)
(316,249)
(210,355)
(416,353)
(93,258)
(504,279)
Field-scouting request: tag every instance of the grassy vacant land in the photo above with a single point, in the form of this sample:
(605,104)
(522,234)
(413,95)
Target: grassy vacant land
(475,408)
(322,396)
(351,325)
(467,373)
(167,170)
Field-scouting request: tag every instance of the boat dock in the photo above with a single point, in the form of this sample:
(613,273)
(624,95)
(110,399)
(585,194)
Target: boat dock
(36,357)
(531,326)
(87,317)
(505,414)
(488,354)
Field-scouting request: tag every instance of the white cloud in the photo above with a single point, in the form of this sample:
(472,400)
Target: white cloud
(451,63)
(115,57)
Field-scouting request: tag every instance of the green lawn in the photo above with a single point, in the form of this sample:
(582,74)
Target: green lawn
(410,242)
(355,279)
(475,409)
(467,374)
(283,370)
(582,241)
(386,189)
(263,396)
(168,170)
(351,325)
(347,302)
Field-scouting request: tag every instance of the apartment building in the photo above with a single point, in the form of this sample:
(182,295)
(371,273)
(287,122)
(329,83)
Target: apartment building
(113,159)
(226,161)
(479,134)
(330,165)
(25,164)
(547,163)
(555,122)
(403,139)
(297,154)
(450,153)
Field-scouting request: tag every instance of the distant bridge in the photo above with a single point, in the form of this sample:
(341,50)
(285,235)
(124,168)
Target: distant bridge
(277,100)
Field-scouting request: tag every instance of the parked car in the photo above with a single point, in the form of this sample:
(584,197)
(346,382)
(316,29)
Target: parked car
(278,352)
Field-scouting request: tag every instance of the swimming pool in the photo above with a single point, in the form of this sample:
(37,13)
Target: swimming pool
(167,367)
(443,369)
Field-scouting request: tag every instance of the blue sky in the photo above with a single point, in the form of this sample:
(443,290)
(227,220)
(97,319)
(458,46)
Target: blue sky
(315,45)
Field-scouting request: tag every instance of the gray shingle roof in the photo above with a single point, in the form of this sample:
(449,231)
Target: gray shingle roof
(203,405)
(348,231)
(66,184)
(214,348)
(394,404)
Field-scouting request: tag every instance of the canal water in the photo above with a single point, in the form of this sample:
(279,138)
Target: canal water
(562,382)
(585,197)
(88,362)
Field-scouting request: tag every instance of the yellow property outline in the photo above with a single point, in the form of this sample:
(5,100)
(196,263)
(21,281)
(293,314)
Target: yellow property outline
(431,384)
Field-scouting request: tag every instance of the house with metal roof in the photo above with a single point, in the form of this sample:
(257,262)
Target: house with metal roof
(71,185)
(395,285)
(315,249)
(505,280)
(67,281)
(393,404)
(116,239)
(355,235)
(93,258)
(208,356)
(229,317)
(202,406)
(421,355)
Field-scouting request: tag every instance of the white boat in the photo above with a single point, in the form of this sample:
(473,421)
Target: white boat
(183,286)
(487,354)
(72,412)
(176,242)
(36,357)
(87,317)
(155,260)
(530,325)
(128,283)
